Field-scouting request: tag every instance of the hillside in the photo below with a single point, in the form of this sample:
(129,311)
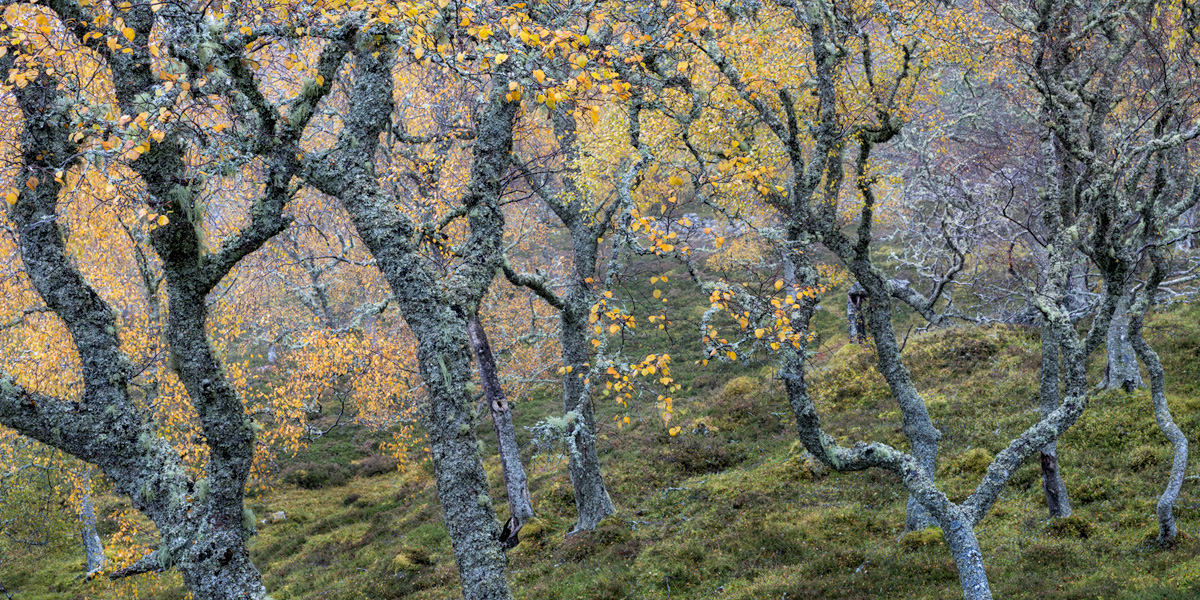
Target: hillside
(732,509)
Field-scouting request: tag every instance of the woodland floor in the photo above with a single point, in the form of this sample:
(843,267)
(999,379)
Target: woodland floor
(731,509)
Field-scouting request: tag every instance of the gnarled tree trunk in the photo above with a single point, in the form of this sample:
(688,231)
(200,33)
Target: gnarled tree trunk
(436,310)
(1121,370)
(592,502)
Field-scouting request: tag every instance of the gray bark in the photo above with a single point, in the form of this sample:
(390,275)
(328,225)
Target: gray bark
(515,480)
(93,547)
(106,428)
(592,502)
(1057,502)
(436,310)
(855,323)
(203,525)
(1167,530)
(1121,370)
(956,524)
(918,426)
(964,547)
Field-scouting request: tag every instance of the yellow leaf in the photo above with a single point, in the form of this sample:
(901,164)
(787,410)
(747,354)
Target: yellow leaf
(162,220)
(675,180)
(732,355)
(11,198)
(758,333)
(418,52)
(539,75)
(500,58)
(674,431)
(129,33)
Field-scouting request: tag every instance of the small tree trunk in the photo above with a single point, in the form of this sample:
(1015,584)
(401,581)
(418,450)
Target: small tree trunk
(515,480)
(1122,369)
(93,547)
(592,502)
(964,546)
(1167,531)
(1057,501)
(855,322)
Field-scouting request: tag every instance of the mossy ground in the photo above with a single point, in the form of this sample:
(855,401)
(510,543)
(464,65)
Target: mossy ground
(732,508)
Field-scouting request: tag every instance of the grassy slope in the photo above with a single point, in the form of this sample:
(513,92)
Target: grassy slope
(732,509)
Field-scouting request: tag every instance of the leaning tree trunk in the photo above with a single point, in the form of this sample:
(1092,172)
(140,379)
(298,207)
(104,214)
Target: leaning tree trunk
(445,364)
(1121,371)
(918,427)
(437,316)
(1057,501)
(592,502)
(205,540)
(1167,531)
(515,480)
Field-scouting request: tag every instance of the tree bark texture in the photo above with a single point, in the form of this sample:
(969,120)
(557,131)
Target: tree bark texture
(515,481)
(1057,502)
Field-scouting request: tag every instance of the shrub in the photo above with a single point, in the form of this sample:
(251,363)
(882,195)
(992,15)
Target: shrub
(1143,457)
(697,455)
(377,464)
(972,463)
(315,476)
(1072,526)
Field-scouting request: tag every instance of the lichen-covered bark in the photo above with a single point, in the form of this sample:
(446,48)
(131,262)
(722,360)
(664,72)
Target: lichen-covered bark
(436,309)
(1121,369)
(1164,508)
(1167,530)
(592,501)
(104,428)
(203,525)
(515,481)
(956,524)
(1057,502)
(93,547)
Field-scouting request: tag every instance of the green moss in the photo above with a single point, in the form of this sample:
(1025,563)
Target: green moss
(925,538)
(765,521)
(1072,526)
(973,463)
